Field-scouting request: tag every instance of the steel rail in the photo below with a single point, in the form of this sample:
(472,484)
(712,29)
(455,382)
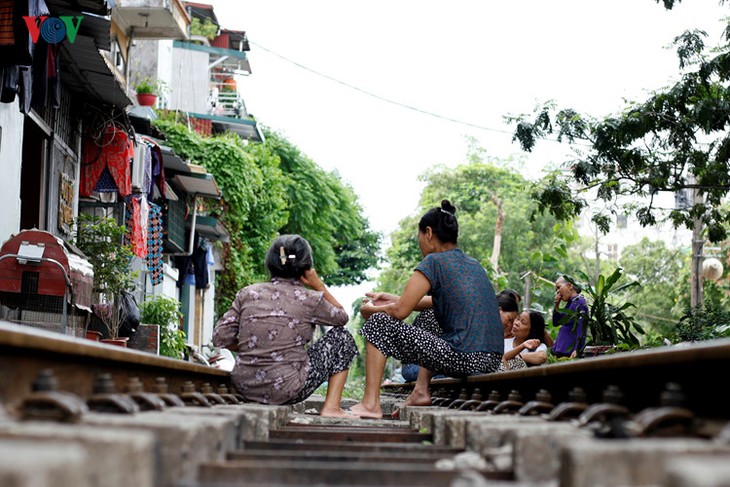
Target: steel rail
(695,369)
(77,363)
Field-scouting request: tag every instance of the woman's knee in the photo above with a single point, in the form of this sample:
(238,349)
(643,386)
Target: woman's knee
(377,322)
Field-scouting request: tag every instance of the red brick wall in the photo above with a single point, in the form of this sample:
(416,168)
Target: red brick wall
(146,339)
(201,126)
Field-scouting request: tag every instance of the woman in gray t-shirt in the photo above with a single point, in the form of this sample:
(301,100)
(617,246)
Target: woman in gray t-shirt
(459,333)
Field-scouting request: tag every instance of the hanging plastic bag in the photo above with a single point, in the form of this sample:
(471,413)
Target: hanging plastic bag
(128,313)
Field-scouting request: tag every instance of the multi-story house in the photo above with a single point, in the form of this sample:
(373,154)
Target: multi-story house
(68,127)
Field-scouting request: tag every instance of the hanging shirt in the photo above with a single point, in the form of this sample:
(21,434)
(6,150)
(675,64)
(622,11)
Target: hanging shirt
(154,245)
(114,152)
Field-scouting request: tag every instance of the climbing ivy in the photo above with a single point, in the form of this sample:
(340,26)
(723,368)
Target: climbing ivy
(325,211)
(272,188)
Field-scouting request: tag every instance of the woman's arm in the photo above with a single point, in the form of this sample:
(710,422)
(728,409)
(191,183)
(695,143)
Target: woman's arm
(225,333)
(311,278)
(527,346)
(538,357)
(381,298)
(414,292)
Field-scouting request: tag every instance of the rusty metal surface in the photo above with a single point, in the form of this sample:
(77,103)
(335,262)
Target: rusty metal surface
(329,433)
(339,453)
(76,362)
(328,473)
(374,447)
(640,375)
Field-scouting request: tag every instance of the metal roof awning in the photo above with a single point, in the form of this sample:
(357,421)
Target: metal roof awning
(86,71)
(245,128)
(99,7)
(232,60)
(197,183)
(209,227)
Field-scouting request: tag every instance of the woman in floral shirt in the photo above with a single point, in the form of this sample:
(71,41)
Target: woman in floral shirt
(271,324)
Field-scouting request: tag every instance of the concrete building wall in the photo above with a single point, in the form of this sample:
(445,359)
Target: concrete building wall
(11,150)
(190,88)
(628,231)
(164,71)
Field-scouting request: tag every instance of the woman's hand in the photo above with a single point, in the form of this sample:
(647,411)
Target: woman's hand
(311,279)
(531,344)
(380,298)
(368,309)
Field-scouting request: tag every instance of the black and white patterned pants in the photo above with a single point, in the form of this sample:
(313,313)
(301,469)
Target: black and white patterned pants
(420,343)
(331,354)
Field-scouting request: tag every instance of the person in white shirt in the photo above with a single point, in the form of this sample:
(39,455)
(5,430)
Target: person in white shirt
(526,347)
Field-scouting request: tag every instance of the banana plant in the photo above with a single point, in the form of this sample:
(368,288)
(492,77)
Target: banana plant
(607,319)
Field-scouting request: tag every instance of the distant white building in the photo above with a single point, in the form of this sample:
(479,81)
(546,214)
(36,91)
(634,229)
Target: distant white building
(626,230)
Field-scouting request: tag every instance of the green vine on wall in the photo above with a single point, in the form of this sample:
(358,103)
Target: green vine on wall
(272,188)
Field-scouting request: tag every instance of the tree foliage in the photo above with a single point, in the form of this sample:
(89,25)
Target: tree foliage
(269,189)
(539,246)
(660,272)
(325,211)
(676,140)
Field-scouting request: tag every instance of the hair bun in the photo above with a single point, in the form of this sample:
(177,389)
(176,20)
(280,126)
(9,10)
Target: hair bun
(447,206)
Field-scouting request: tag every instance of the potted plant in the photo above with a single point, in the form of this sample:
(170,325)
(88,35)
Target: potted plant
(100,239)
(607,321)
(164,311)
(147,90)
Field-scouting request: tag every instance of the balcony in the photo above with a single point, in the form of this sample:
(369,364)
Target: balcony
(152,19)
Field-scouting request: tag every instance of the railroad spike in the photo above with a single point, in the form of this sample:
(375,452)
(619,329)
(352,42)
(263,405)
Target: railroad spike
(47,403)
(104,398)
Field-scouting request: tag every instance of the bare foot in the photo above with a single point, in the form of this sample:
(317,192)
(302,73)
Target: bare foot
(363,412)
(338,413)
(415,398)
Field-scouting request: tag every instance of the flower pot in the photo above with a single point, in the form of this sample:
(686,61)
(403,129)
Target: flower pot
(146,99)
(93,335)
(119,342)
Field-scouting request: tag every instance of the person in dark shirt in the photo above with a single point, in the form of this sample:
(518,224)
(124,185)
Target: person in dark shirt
(463,334)
(571,337)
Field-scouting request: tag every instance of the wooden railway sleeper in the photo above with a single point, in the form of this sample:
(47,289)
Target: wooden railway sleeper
(511,405)
(147,401)
(542,404)
(576,405)
(47,403)
(191,397)
(105,399)
(493,399)
(160,388)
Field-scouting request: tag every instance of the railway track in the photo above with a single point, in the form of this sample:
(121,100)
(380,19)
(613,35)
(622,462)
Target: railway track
(73,412)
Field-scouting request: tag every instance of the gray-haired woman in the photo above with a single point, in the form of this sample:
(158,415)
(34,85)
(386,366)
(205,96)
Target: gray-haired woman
(271,324)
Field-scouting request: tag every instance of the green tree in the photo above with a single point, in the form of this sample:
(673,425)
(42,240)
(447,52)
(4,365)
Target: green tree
(272,188)
(325,211)
(676,140)
(539,246)
(659,270)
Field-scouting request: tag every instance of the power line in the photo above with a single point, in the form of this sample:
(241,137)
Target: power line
(369,93)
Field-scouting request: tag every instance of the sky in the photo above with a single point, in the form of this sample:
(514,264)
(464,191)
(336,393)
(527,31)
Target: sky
(380,91)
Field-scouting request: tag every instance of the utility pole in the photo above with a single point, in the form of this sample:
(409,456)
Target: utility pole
(697,250)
